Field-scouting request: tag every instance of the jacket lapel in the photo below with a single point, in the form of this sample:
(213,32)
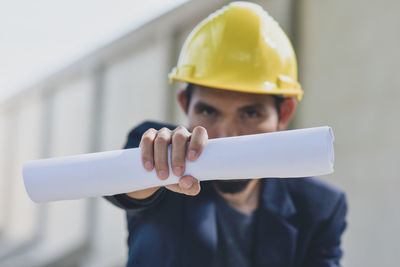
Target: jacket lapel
(276,237)
(275,240)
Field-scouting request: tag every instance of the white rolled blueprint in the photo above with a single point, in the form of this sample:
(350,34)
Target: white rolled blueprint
(285,154)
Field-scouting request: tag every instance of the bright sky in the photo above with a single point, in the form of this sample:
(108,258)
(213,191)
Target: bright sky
(39,37)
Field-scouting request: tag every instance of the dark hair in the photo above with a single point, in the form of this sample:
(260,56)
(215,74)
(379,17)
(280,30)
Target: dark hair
(190,88)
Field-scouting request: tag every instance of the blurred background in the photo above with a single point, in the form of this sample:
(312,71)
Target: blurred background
(75,77)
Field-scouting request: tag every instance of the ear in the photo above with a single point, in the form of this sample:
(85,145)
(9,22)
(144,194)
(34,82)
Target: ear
(288,106)
(183,100)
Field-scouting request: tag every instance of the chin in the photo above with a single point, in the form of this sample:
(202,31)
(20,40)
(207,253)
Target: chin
(231,186)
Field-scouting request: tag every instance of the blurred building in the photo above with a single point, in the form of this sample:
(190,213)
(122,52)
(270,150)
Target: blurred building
(348,63)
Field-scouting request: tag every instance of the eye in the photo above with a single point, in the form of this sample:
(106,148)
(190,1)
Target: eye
(251,113)
(208,112)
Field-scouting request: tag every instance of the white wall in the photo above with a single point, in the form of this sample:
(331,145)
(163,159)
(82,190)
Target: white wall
(135,90)
(70,121)
(22,131)
(3,151)
(349,65)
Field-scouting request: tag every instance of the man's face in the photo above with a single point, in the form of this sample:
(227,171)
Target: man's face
(228,113)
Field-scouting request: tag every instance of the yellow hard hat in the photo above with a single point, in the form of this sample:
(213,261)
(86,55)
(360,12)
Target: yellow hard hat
(241,48)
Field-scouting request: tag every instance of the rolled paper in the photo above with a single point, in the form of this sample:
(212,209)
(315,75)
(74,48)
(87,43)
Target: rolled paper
(284,154)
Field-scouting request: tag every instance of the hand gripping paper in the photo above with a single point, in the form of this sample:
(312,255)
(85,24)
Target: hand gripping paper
(295,153)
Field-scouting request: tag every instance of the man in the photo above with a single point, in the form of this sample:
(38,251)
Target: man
(242,79)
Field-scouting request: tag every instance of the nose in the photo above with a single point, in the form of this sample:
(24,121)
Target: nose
(227,129)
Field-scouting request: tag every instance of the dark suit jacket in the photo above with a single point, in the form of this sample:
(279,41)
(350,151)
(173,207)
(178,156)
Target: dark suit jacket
(299,223)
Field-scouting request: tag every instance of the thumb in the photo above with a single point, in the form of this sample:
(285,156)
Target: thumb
(187,185)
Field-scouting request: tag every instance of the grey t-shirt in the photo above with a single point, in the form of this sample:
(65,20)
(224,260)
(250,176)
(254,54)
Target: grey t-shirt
(235,236)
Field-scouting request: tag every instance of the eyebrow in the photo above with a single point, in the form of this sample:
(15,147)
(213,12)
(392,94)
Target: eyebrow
(257,106)
(201,105)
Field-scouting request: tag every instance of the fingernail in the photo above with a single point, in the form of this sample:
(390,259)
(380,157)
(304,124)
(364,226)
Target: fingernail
(162,174)
(148,165)
(187,184)
(178,170)
(191,155)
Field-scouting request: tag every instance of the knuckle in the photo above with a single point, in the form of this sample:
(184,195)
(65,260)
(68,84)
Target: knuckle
(147,139)
(200,129)
(163,136)
(199,138)
(200,133)
(148,136)
(164,130)
(180,128)
(150,131)
(161,140)
(179,137)
(178,160)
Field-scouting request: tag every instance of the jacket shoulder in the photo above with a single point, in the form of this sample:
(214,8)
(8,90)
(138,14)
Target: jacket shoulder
(136,133)
(315,197)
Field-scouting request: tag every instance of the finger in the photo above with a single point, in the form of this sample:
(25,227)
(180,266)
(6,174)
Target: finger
(197,142)
(146,147)
(180,138)
(161,143)
(189,185)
